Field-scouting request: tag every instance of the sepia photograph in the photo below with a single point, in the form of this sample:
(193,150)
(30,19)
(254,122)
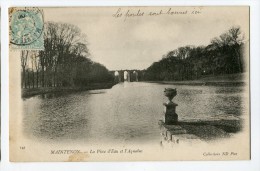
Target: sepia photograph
(0,86)
(129,83)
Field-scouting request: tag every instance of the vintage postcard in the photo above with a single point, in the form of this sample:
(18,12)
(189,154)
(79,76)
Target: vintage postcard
(0,86)
(129,83)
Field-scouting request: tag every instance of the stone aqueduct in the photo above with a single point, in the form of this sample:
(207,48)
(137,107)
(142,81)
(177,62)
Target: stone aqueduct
(126,75)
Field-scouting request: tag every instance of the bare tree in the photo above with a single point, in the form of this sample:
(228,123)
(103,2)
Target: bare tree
(37,67)
(24,60)
(32,59)
(63,43)
(236,39)
(64,60)
(232,39)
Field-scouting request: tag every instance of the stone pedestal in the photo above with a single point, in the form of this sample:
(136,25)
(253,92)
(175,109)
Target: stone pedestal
(170,113)
(170,108)
(173,135)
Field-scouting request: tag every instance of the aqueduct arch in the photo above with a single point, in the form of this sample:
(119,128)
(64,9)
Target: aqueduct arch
(126,75)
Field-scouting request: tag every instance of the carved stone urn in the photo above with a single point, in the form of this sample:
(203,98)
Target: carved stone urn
(170,93)
(171,117)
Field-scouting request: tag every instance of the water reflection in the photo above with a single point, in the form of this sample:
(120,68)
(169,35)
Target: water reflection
(127,112)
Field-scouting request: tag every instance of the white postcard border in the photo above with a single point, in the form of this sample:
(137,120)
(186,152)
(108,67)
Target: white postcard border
(253,164)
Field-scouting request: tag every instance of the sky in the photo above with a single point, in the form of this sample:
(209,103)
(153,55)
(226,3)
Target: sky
(138,41)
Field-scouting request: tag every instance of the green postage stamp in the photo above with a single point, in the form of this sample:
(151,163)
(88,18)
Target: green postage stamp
(26,28)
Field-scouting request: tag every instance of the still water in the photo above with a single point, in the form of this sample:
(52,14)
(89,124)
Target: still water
(128,112)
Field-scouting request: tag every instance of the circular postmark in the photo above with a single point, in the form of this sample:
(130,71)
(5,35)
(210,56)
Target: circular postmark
(26,26)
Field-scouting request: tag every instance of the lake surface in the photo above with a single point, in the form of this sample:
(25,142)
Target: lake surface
(128,112)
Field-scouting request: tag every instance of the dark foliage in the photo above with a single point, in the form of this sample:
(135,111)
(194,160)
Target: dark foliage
(224,55)
(63,62)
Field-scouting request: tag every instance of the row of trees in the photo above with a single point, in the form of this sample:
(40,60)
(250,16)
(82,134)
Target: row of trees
(224,55)
(63,62)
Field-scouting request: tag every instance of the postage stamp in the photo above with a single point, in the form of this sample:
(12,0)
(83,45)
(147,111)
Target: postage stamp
(26,29)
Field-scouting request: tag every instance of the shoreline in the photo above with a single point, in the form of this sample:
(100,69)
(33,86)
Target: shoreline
(211,80)
(222,80)
(27,93)
(201,83)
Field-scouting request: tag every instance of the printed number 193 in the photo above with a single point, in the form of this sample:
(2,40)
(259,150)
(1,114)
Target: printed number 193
(22,147)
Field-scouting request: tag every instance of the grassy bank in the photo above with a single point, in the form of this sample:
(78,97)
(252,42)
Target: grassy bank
(220,80)
(26,93)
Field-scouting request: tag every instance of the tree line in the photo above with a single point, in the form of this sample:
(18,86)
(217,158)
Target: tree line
(224,55)
(65,60)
